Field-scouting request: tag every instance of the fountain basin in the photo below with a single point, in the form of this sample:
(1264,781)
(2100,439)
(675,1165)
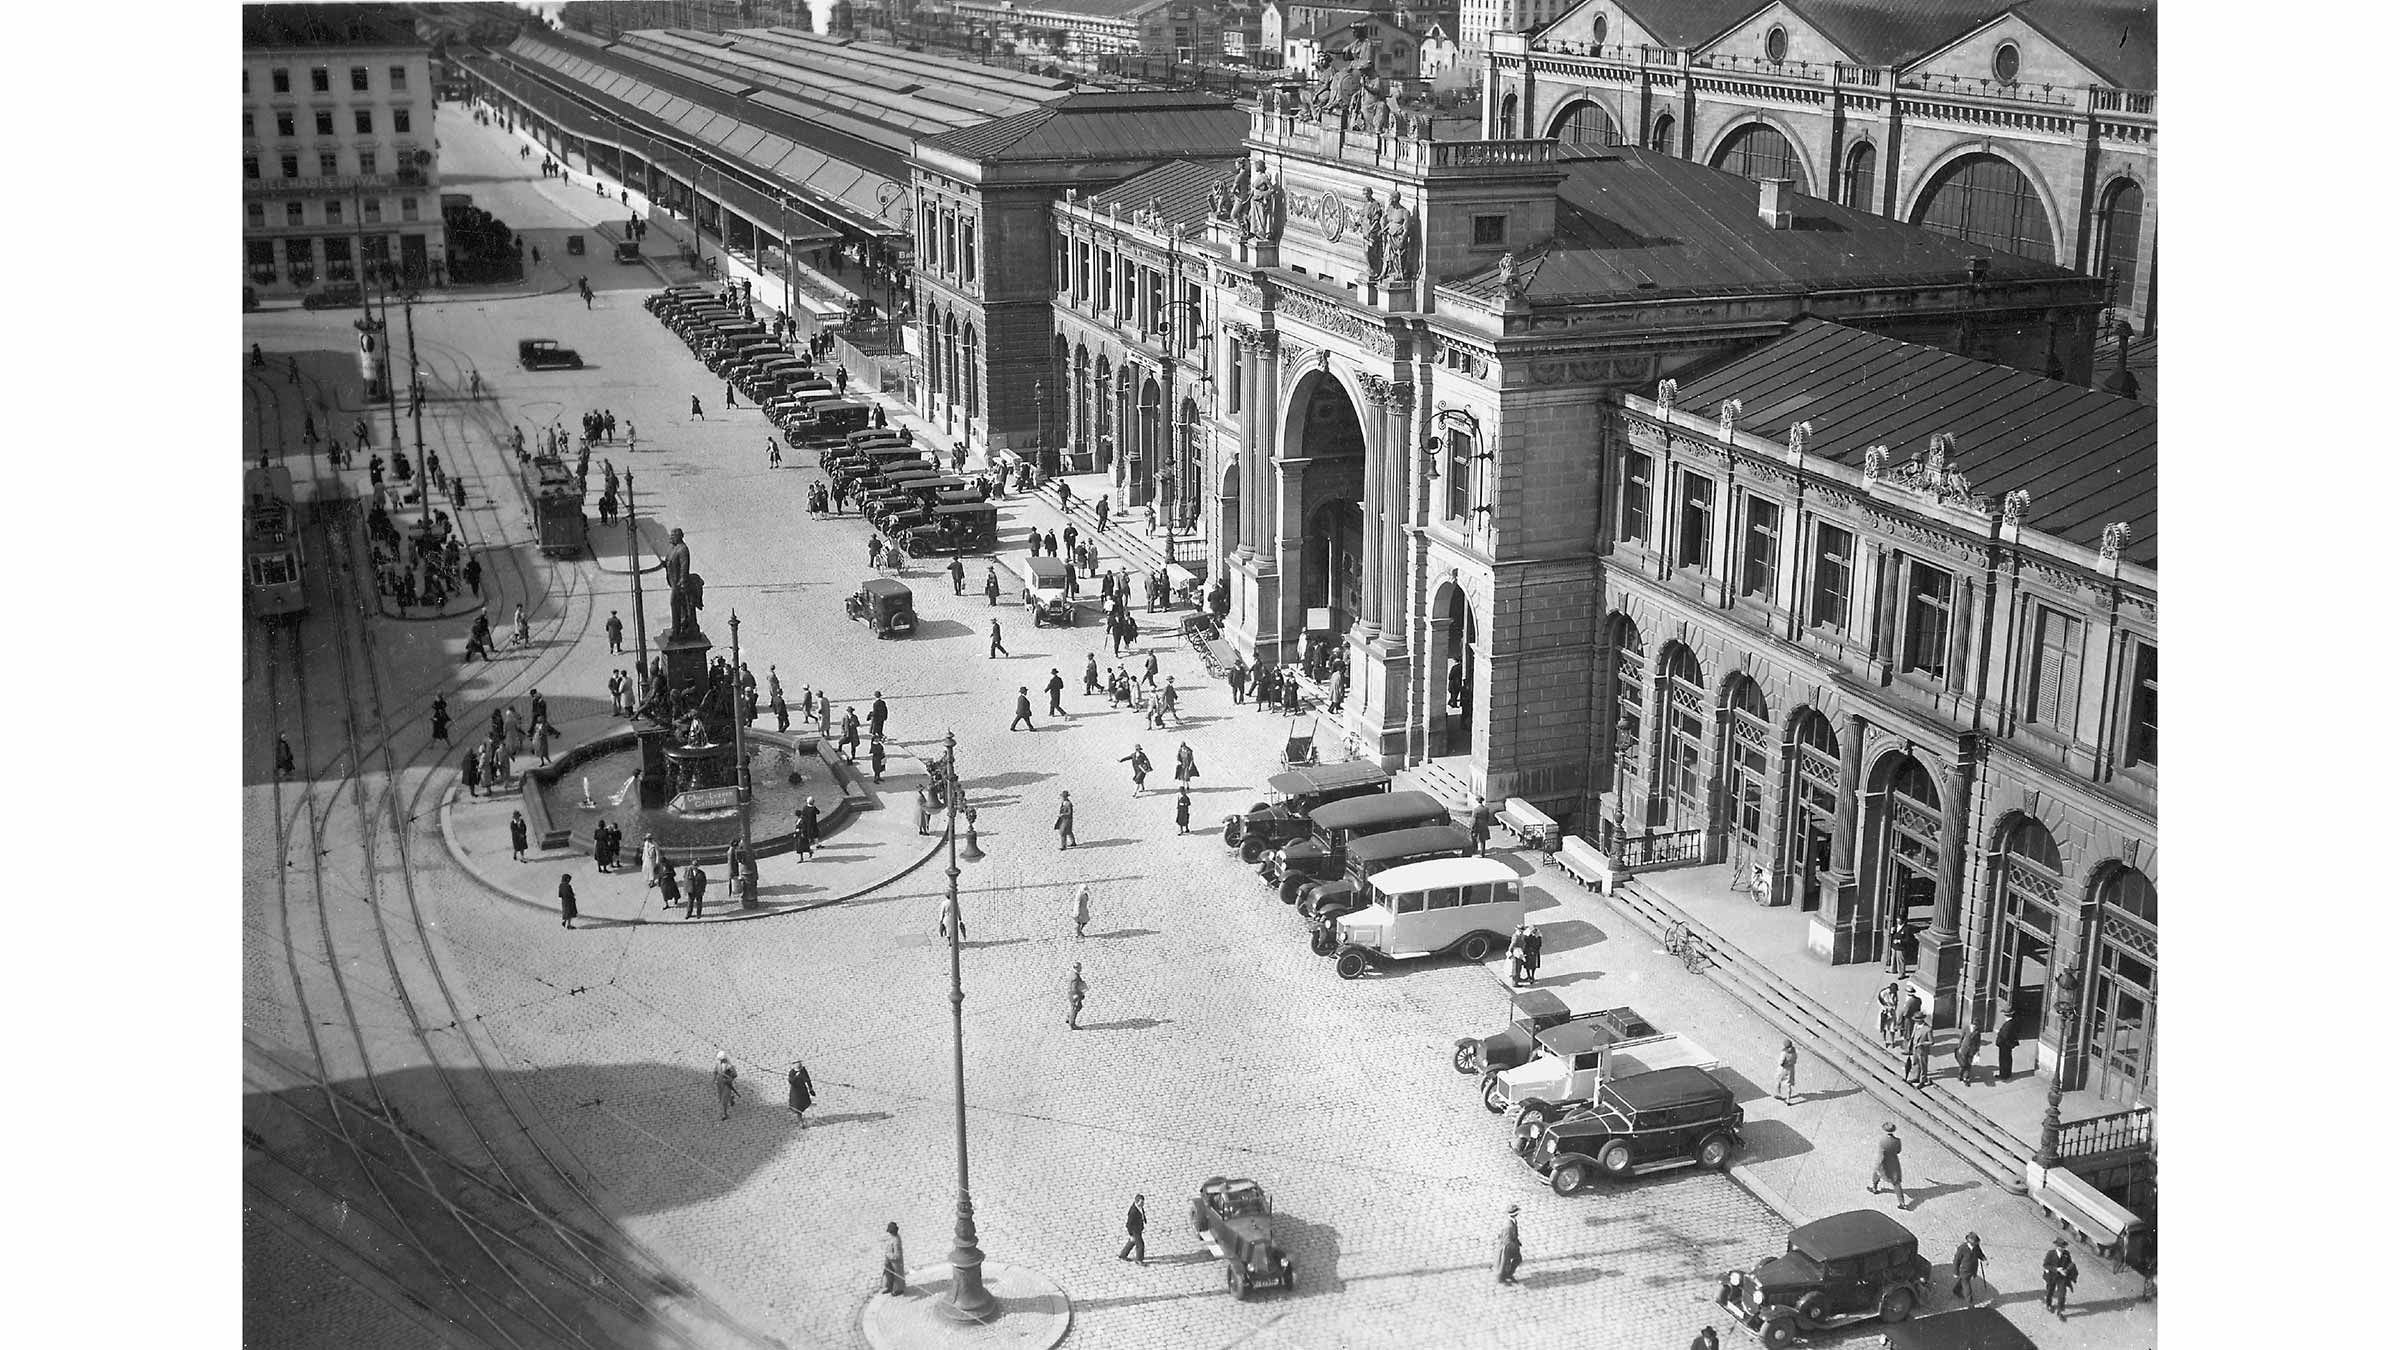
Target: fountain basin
(709,820)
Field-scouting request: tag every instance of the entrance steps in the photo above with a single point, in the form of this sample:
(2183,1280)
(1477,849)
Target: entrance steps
(1438,781)
(1983,1142)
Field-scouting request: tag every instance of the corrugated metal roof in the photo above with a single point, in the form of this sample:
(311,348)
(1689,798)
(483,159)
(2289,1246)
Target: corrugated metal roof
(2089,459)
(373,25)
(1094,9)
(1127,124)
(1634,224)
(1180,189)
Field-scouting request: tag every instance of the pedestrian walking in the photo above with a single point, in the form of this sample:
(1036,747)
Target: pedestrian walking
(1965,1265)
(991,587)
(616,634)
(1887,1165)
(1706,1340)
(441,720)
(541,742)
(1183,810)
(924,809)
(1970,1043)
(998,650)
(875,757)
(1082,911)
(729,394)
(1533,954)
(1150,670)
(670,888)
(1920,1054)
(849,742)
(1065,824)
(1140,761)
(1516,955)
(1056,686)
(470,771)
(1187,764)
(1076,989)
(799,1091)
(1479,826)
(1024,701)
(516,835)
(1137,1216)
(781,709)
(723,1075)
(804,828)
(2058,1277)
(895,1268)
(1787,1068)
(1091,675)
(695,891)
(2004,1043)
(566,901)
(1511,1250)
(696,409)
(958,576)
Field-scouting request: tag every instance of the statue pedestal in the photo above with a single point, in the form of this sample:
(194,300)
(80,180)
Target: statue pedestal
(686,658)
(653,740)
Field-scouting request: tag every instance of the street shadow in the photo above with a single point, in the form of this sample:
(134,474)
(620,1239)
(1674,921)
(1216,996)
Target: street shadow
(1920,1192)
(848,1118)
(941,628)
(1571,935)
(1126,933)
(979,945)
(1558,1278)
(1125,1023)
(1766,1141)
(1104,843)
(1828,1095)
(1743,1089)
(999,781)
(1316,1253)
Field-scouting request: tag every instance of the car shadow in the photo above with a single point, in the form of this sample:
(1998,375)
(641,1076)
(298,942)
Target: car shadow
(1315,1250)
(941,628)
(1571,977)
(1570,935)
(1768,1140)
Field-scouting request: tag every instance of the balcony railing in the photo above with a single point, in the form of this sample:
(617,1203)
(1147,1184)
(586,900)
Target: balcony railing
(1651,850)
(2105,1134)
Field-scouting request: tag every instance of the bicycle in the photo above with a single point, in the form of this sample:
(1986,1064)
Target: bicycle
(1682,944)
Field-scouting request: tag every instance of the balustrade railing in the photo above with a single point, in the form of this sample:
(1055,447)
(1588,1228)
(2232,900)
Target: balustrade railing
(1655,849)
(2105,1134)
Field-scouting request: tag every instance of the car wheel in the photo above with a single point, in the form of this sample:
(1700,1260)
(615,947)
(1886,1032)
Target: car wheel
(1778,1332)
(1233,832)
(1811,1305)
(1715,1152)
(1616,1157)
(1463,1058)
(1350,965)
(1321,942)
(1475,947)
(1291,888)
(1252,851)
(1534,1115)
(1896,1304)
(1528,1133)
(1495,1097)
(1568,1179)
(1237,1282)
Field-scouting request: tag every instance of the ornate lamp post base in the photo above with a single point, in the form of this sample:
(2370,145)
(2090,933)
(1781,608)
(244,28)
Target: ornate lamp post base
(1030,1312)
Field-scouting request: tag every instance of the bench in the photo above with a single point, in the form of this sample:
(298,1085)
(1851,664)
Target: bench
(1581,859)
(1530,824)
(2096,1221)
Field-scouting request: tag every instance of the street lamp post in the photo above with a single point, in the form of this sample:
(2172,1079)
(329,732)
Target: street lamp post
(968,1300)
(741,770)
(391,396)
(416,405)
(641,630)
(2069,989)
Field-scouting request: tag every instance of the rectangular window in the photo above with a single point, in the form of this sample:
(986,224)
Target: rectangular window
(257,212)
(249,124)
(1693,549)
(364,120)
(2056,678)
(926,247)
(1155,319)
(966,249)
(1762,549)
(1083,272)
(333,215)
(286,124)
(1458,461)
(372,209)
(324,121)
(283,80)
(399,77)
(1491,231)
(408,208)
(1633,505)
(1191,316)
(2141,712)
(366,162)
(1108,282)
(294,213)
(320,80)
(328,164)
(1925,645)
(399,121)
(291,166)
(337,261)
(249,166)
(358,79)
(1058,263)
(1829,593)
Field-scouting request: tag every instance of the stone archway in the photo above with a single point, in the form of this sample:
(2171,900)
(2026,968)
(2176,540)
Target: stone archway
(1454,642)
(1322,525)
(1901,864)
(1229,511)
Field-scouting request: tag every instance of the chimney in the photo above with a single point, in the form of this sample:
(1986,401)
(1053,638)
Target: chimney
(1775,203)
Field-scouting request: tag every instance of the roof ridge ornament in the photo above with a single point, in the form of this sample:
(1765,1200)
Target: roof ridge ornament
(2113,541)
(1728,412)
(1666,396)
(2014,507)
(1795,442)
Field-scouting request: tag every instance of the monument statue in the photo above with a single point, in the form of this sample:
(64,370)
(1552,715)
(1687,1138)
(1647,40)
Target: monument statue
(684,588)
(1387,237)
(1266,206)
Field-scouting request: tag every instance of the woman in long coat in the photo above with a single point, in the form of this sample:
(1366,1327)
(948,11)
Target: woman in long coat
(566,901)
(802,1091)
(471,771)
(805,827)
(1187,764)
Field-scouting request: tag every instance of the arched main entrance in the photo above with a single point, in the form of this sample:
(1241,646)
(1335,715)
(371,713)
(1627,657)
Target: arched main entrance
(1910,844)
(2028,926)
(1683,772)
(1630,680)
(1326,431)
(2124,1031)
(1455,641)
(1748,788)
(1813,789)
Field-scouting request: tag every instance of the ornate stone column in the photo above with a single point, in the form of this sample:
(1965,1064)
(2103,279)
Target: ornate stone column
(1399,438)
(1246,445)
(1266,432)
(1941,956)
(1837,931)
(1374,528)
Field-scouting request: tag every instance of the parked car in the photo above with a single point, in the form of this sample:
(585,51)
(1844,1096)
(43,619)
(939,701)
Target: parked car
(1530,1013)
(1461,907)
(1642,1123)
(884,605)
(546,354)
(1331,828)
(1836,1270)
(957,527)
(1283,817)
(1573,1057)
(1321,902)
(333,295)
(1235,1221)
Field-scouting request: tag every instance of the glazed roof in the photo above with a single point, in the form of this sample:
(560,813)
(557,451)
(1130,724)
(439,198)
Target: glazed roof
(1111,124)
(2089,459)
(2117,38)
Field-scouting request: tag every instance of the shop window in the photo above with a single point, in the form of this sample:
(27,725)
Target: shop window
(1829,592)
(2141,714)
(1633,506)
(1762,550)
(1695,537)
(1925,634)
(363,121)
(2056,677)
(261,256)
(300,260)
(337,261)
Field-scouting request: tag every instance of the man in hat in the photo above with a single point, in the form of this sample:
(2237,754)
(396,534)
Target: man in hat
(1137,1217)
(1965,1264)
(1887,1165)
(800,1091)
(1970,1041)
(2058,1276)
(1024,699)
(1511,1250)
(895,1267)
(516,835)
(1075,992)
(1065,823)
(1787,1072)
(2004,1044)
(723,1075)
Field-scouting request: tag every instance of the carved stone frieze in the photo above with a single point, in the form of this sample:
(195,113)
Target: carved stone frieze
(1318,312)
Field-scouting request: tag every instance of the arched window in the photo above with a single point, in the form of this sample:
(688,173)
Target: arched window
(1984,200)
(1586,124)
(1759,151)
(1746,765)
(1686,712)
(1816,792)
(1508,116)
(2124,1032)
(1858,178)
(1662,135)
(2028,915)
(2121,236)
(1912,847)
(1632,697)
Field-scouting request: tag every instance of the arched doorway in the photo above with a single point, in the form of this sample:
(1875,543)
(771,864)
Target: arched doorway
(1456,640)
(1759,151)
(1986,201)
(1134,475)
(1229,513)
(949,372)
(1630,680)
(1508,117)
(2025,908)
(1104,426)
(1329,575)
(1858,178)
(1911,848)
(2120,250)
(1182,486)
(1325,430)
(1080,397)
(1662,134)
(1585,125)
(1813,787)
(1683,770)
(1747,785)
(2124,1032)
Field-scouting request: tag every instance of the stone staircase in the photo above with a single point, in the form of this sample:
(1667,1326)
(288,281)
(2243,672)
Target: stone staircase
(1982,1142)
(1437,781)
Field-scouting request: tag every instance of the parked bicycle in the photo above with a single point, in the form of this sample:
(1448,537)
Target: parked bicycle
(1684,946)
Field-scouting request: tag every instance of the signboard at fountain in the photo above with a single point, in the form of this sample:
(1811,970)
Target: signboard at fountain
(705,799)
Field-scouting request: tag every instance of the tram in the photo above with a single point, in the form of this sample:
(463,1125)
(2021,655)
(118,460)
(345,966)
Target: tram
(272,564)
(557,496)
